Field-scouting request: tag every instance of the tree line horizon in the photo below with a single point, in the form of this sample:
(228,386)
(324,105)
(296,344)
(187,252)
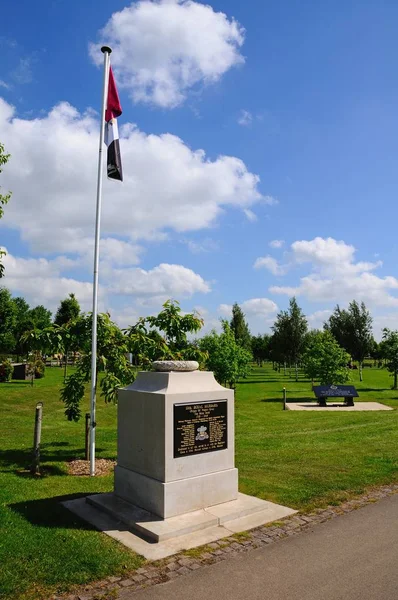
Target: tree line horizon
(323,355)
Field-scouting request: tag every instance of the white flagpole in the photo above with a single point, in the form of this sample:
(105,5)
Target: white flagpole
(107,51)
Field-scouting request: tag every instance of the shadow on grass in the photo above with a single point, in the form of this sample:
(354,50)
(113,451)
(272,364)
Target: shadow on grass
(279,399)
(362,389)
(10,384)
(49,512)
(278,380)
(21,459)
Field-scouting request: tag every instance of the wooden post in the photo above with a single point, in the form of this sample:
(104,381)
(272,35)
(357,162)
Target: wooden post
(284,398)
(35,468)
(87,444)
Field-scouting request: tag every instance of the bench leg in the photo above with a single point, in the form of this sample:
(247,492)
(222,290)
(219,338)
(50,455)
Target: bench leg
(322,401)
(349,401)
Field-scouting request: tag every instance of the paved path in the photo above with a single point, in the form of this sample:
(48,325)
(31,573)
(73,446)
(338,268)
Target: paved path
(352,557)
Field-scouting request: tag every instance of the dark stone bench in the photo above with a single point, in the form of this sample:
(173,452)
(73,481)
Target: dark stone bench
(323,392)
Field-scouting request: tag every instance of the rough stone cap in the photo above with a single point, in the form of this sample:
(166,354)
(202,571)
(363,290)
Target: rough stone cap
(175,365)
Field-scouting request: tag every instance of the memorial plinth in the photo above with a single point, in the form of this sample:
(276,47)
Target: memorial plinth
(175,481)
(176,443)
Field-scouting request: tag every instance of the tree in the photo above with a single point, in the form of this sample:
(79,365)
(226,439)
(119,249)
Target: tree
(22,324)
(112,350)
(352,328)
(176,325)
(7,322)
(68,310)
(4,198)
(40,317)
(289,332)
(225,357)
(297,331)
(324,360)
(114,345)
(260,346)
(240,328)
(389,351)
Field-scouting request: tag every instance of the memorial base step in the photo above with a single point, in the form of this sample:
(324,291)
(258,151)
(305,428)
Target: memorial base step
(156,538)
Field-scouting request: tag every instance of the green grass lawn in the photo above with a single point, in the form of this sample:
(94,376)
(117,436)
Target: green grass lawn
(310,459)
(294,458)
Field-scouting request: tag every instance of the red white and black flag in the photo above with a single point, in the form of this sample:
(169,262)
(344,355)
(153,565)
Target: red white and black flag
(113,110)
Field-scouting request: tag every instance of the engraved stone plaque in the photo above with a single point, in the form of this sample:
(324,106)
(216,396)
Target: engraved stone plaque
(200,427)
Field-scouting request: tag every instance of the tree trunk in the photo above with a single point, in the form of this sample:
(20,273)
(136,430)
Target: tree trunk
(395,380)
(360,371)
(296,367)
(284,368)
(66,365)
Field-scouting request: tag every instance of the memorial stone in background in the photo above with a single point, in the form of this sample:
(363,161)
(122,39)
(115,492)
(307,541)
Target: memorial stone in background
(335,391)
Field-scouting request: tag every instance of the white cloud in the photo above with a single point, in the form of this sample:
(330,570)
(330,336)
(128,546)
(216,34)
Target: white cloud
(4,85)
(245,118)
(24,73)
(162,48)
(389,320)
(253,307)
(276,243)
(318,318)
(124,317)
(202,247)
(270,263)
(225,310)
(250,215)
(336,277)
(40,281)
(201,311)
(119,252)
(270,200)
(330,255)
(167,185)
(259,307)
(162,281)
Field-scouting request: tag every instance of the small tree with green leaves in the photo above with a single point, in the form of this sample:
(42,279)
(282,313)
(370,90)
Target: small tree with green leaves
(23,323)
(6,371)
(113,346)
(112,349)
(352,328)
(225,357)
(389,351)
(324,360)
(240,328)
(67,312)
(289,334)
(176,326)
(7,322)
(4,198)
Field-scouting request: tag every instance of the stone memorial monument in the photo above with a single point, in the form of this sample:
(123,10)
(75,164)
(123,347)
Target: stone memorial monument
(175,472)
(176,441)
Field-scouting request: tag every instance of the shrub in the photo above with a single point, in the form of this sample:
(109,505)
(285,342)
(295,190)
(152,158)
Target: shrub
(6,370)
(36,366)
(40,369)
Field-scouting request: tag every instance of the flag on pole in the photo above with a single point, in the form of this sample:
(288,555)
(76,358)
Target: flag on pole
(113,110)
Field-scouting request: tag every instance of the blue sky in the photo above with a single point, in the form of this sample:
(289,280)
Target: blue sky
(301,97)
